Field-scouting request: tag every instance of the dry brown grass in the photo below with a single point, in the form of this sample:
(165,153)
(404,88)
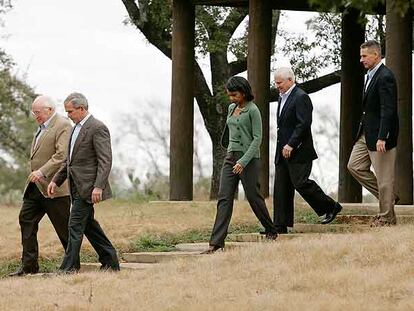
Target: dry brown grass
(365,271)
(361,271)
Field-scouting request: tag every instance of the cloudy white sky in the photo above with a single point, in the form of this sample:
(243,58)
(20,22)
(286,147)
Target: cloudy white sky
(65,46)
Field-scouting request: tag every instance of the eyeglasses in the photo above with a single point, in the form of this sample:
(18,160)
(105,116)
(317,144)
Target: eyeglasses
(37,113)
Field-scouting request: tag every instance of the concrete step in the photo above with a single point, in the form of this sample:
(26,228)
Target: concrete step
(94,266)
(256,237)
(366,208)
(156,257)
(367,219)
(203,246)
(329,228)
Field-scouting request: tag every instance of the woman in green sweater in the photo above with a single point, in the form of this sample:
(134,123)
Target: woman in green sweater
(242,137)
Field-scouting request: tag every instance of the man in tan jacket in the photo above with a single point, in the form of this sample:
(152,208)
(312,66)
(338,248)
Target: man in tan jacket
(47,153)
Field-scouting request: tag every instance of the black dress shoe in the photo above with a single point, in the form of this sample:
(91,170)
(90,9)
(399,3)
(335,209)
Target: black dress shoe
(330,216)
(109,268)
(271,236)
(23,272)
(211,250)
(279,230)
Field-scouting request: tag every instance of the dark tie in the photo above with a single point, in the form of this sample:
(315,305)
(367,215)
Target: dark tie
(279,103)
(366,82)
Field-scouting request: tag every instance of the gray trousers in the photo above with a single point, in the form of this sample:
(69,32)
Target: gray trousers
(228,185)
(82,222)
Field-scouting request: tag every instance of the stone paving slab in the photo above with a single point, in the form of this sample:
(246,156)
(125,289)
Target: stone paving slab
(367,219)
(367,208)
(257,237)
(203,246)
(94,266)
(156,257)
(329,228)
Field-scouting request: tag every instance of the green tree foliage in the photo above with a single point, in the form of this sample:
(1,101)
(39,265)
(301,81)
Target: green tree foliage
(401,6)
(16,127)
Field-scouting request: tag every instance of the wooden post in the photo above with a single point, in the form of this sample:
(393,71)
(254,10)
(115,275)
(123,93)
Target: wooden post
(399,60)
(182,101)
(258,64)
(352,80)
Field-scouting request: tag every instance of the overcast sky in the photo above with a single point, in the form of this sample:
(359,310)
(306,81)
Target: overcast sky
(78,45)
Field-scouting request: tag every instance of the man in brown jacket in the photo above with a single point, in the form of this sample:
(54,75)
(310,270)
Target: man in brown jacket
(47,153)
(87,168)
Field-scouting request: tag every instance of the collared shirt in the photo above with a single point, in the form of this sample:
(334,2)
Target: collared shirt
(75,133)
(284,97)
(42,128)
(371,72)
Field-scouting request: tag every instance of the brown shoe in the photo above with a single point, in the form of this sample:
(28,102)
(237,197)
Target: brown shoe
(380,222)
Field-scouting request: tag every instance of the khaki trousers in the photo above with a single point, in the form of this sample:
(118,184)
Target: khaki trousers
(380,182)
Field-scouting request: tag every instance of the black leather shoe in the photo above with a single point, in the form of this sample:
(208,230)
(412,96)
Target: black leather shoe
(109,268)
(271,236)
(211,250)
(279,230)
(22,272)
(330,216)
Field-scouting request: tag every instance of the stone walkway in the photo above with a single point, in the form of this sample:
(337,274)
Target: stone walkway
(343,224)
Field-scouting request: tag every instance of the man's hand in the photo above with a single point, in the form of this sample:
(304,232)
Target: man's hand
(287,151)
(238,168)
(96,195)
(35,176)
(381,145)
(51,189)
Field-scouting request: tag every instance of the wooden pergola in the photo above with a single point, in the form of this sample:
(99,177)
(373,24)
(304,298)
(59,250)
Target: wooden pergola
(398,59)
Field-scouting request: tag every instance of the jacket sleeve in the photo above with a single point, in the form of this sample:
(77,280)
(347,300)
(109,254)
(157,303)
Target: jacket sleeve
(61,174)
(102,145)
(61,147)
(387,90)
(304,120)
(254,147)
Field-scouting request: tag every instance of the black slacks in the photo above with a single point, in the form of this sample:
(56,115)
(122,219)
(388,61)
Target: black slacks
(295,176)
(228,185)
(82,222)
(34,207)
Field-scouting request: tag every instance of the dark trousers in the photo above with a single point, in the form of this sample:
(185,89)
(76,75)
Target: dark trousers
(82,222)
(228,185)
(34,207)
(295,176)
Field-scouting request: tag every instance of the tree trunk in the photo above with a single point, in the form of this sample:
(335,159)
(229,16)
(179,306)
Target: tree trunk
(399,60)
(349,190)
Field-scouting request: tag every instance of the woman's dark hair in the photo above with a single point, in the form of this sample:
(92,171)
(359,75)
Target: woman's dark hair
(240,84)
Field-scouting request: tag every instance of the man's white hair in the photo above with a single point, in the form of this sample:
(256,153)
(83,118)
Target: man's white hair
(46,101)
(285,73)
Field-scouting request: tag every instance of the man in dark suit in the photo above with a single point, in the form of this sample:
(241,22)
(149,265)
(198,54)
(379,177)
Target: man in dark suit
(294,155)
(377,134)
(47,153)
(87,168)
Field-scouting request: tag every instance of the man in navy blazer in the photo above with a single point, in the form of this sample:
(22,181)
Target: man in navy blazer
(294,155)
(377,135)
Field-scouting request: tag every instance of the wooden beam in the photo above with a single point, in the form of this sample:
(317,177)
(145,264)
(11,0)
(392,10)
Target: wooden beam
(182,102)
(289,5)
